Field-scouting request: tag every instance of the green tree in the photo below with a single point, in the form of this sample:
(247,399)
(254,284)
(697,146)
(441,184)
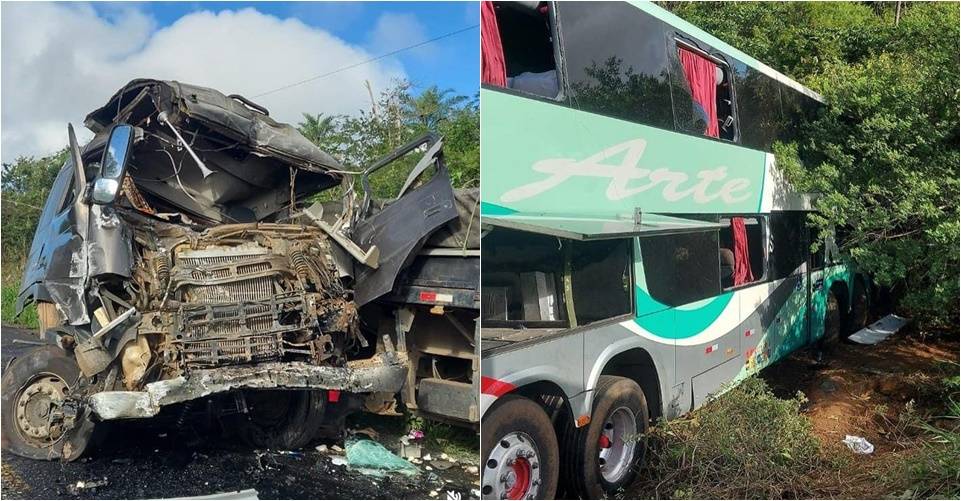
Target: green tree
(884,153)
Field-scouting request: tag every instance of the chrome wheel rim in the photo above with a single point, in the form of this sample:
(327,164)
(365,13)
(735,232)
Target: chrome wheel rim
(39,409)
(512,470)
(617,444)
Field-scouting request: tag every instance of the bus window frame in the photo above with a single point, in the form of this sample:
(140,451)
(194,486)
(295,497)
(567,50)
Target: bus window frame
(560,68)
(678,39)
(765,265)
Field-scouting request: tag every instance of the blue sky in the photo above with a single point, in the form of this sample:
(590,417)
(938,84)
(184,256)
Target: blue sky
(450,63)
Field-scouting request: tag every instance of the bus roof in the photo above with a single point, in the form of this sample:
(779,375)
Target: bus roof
(717,43)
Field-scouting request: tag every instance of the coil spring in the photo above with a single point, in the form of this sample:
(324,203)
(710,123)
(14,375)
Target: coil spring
(299,261)
(161,266)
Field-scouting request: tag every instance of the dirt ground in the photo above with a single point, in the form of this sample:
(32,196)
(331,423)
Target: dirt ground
(862,390)
(144,459)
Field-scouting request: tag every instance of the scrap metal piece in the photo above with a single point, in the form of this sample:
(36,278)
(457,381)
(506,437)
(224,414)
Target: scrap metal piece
(370,257)
(383,372)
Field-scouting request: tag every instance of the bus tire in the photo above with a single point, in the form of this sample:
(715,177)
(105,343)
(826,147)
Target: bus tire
(519,449)
(833,319)
(606,455)
(34,387)
(858,317)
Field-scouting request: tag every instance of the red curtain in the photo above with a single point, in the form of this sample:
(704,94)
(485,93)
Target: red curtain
(493,68)
(742,260)
(701,74)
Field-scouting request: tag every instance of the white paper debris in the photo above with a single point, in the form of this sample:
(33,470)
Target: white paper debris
(859,445)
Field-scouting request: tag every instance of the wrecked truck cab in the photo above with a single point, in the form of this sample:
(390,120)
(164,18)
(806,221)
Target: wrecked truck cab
(174,262)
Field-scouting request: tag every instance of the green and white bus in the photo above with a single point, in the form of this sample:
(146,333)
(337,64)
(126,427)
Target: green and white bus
(641,250)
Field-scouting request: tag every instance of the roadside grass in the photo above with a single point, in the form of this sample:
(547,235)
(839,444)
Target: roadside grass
(8,312)
(750,444)
(746,444)
(927,467)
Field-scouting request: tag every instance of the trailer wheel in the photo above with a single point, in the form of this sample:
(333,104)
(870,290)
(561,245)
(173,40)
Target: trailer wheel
(35,388)
(606,454)
(519,449)
(282,419)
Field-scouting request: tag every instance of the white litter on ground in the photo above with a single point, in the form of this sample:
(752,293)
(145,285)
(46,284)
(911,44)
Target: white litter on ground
(880,330)
(859,445)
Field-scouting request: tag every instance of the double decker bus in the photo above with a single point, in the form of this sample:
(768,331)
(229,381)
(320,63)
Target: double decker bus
(641,250)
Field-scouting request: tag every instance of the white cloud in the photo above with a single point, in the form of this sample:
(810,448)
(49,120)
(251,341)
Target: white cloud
(61,61)
(394,31)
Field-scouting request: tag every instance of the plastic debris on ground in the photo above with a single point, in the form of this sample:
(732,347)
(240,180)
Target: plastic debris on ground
(879,331)
(82,486)
(372,458)
(859,445)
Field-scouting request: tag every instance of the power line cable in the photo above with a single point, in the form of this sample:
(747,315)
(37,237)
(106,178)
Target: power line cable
(368,61)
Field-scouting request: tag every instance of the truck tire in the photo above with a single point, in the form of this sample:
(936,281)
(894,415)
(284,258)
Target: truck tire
(833,318)
(519,450)
(34,388)
(606,455)
(281,419)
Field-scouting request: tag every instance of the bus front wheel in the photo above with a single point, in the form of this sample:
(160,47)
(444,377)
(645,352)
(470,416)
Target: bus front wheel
(606,455)
(519,449)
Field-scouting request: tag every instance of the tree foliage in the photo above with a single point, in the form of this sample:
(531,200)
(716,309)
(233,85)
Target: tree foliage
(884,153)
(397,116)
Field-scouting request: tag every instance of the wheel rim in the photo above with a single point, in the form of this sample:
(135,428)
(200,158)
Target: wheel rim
(512,470)
(617,444)
(39,409)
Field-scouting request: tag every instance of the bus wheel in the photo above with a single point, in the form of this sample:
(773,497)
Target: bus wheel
(35,420)
(832,319)
(858,317)
(519,449)
(606,455)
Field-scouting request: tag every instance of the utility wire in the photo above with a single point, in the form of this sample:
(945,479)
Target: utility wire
(368,61)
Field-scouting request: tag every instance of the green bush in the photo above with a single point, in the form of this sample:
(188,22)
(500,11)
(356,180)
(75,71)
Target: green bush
(29,316)
(745,444)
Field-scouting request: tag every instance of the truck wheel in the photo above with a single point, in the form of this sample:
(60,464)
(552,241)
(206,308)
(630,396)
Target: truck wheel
(35,388)
(519,449)
(281,419)
(858,317)
(606,455)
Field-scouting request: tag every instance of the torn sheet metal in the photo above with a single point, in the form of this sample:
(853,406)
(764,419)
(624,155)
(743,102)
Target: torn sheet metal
(385,372)
(879,331)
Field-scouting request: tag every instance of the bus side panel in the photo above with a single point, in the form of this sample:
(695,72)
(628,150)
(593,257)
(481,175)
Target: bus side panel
(608,341)
(556,359)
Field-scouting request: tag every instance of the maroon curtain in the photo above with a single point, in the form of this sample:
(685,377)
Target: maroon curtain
(742,260)
(493,68)
(701,76)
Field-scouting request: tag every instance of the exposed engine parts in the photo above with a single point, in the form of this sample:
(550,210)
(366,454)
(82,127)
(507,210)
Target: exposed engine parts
(236,294)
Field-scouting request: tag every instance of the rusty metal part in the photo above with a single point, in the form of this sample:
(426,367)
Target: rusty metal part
(134,360)
(136,199)
(382,373)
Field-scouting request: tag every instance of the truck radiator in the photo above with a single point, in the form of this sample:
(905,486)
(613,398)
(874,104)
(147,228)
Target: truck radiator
(233,306)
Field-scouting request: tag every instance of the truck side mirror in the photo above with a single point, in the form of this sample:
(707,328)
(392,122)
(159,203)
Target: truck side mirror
(116,154)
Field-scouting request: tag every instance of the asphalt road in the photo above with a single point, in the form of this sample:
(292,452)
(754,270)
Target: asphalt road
(154,460)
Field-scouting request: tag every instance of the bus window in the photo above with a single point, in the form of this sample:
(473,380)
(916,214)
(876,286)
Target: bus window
(704,82)
(522,283)
(616,61)
(789,244)
(528,47)
(681,268)
(601,279)
(754,239)
(759,107)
